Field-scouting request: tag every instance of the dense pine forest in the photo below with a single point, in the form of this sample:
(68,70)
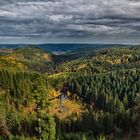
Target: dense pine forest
(73,96)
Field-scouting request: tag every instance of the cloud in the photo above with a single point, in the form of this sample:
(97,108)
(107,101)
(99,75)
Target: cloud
(70,19)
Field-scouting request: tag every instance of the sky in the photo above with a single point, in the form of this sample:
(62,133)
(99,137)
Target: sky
(69,21)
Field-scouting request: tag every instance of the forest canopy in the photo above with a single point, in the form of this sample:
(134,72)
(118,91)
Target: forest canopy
(70,97)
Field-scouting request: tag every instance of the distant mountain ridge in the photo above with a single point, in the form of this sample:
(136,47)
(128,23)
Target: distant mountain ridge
(62,47)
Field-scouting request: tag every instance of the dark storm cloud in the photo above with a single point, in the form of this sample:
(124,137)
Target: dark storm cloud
(70,19)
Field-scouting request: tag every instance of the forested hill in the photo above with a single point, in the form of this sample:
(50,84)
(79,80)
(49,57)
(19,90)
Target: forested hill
(26,58)
(106,60)
(82,94)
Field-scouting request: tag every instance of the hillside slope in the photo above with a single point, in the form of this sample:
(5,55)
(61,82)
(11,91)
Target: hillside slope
(92,95)
(27,58)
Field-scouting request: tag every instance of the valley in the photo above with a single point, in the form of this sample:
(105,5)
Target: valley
(88,92)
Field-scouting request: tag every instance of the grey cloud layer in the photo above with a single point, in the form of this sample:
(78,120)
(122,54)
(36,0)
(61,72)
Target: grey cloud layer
(85,19)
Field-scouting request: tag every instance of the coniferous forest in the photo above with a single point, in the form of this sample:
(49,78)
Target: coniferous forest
(84,94)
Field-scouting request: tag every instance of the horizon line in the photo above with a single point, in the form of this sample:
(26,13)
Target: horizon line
(70,43)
